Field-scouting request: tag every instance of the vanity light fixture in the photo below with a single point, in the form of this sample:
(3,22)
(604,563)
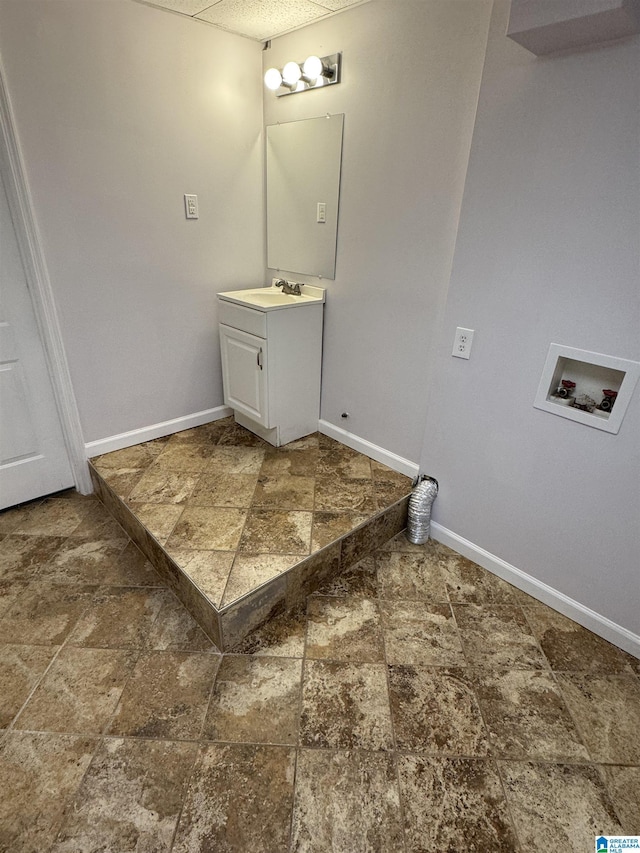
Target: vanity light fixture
(314,72)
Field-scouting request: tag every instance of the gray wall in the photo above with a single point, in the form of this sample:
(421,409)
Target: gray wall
(547,251)
(120,110)
(411,76)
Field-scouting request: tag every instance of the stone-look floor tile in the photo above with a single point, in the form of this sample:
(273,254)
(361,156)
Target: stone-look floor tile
(9,592)
(606,710)
(208,434)
(558,806)
(53,517)
(176,630)
(343,462)
(237,436)
(436,710)
(297,463)
(166,696)
(420,633)
(281,636)
(409,576)
(255,700)
(98,523)
(569,646)
(239,799)
(310,573)
(526,716)
(454,804)
(387,493)
(132,569)
(208,528)
(276,532)
(164,486)
(220,489)
(345,706)
(334,493)
(119,617)
(159,519)
(130,799)
(21,667)
(346,801)
(251,571)
(84,560)
(399,542)
(358,580)
(139,456)
(22,557)
(284,492)
(184,457)
(344,629)
(121,482)
(12,517)
(329,526)
(40,773)
(365,539)
(242,461)
(498,636)
(623,784)
(80,691)
(44,614)
(469,583)
(209,570)
(383,474)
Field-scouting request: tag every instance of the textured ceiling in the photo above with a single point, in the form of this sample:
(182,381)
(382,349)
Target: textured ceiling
(256,19)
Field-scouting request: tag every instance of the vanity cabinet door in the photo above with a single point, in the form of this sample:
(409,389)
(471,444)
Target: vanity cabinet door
(245,373)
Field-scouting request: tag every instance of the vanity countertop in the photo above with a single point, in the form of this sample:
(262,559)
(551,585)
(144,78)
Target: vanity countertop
(273,299)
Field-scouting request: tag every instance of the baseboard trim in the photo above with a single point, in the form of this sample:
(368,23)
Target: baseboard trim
(600,625)
(137,436)
(391,460)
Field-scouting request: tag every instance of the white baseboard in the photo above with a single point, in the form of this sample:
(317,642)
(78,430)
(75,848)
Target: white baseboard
(391,460)
(600,625)
(137,436)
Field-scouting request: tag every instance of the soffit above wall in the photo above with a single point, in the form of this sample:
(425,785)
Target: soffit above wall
(257,19)
(554,26)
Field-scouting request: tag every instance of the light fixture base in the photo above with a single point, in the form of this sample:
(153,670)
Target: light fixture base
(333,63)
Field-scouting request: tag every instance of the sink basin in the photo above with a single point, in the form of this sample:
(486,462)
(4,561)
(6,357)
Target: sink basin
(271,298)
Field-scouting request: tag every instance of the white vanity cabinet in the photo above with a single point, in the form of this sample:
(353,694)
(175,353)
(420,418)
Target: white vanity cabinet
(271,363)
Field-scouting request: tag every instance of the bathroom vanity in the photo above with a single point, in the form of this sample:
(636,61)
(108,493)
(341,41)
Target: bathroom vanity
(271,348)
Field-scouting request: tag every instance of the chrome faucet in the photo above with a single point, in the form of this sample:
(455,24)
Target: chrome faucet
(288,288)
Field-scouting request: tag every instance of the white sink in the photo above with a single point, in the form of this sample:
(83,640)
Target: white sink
(272,298)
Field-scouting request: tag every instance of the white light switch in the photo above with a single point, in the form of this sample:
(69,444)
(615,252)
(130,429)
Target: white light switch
(322,212)
(191,206)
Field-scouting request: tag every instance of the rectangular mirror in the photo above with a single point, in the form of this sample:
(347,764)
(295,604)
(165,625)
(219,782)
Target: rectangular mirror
(303,189)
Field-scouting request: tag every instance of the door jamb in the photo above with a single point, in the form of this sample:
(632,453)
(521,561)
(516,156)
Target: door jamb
(39,284)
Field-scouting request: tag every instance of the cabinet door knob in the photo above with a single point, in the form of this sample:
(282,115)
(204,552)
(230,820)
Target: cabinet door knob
(259,358)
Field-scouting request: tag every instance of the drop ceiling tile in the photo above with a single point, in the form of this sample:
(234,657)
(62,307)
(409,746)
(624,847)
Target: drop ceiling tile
(336,5)
(186,7)
(261,19)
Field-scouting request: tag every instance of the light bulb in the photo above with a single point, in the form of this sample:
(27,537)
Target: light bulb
(273,79)
(312,67)
(291,73)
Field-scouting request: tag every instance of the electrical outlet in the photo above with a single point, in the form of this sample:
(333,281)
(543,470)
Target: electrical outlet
(191,206)
(462,343)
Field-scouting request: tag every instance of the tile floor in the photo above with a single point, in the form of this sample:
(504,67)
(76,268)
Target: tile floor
(234,512)
(418,704)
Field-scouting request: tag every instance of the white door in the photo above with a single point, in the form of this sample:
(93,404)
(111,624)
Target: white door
(244,373)
(33,455)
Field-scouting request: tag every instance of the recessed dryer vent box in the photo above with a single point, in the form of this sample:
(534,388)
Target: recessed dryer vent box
(593,373)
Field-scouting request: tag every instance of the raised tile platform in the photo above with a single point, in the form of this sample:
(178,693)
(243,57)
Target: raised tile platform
(242,530)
